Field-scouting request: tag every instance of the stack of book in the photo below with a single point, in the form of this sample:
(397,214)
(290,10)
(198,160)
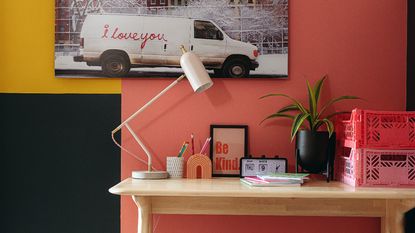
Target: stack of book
(275,179)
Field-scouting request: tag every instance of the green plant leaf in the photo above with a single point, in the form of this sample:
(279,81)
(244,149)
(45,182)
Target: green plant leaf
(311,102)
(329,125)
(298,121)
(296,102)
(277,115)
(269,95)
(291,107)
(317,125)
(312,115)
(312,105)
(317,88)
(332,101)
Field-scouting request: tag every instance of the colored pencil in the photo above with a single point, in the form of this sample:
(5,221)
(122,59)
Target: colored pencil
(202,151)
(183,149)
(193,143)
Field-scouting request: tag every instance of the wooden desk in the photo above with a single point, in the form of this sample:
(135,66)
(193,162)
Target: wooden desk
(227,196)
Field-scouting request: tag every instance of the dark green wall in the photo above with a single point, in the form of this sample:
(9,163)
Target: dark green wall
(58,162)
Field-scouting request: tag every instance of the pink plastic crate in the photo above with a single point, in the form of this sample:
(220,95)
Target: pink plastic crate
(339,125)
(379,129)
(370,167)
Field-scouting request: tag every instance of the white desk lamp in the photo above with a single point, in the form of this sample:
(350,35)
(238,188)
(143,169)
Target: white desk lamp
(199,80)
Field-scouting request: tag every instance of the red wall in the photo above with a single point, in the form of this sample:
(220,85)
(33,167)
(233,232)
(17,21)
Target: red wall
(360,44)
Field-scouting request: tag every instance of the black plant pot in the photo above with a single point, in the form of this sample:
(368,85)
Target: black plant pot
(315,151)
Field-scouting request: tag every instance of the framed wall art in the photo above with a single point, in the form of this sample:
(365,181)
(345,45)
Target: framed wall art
(142,38)
(228,145)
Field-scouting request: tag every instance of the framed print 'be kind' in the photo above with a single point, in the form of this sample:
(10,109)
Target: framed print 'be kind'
(229,144)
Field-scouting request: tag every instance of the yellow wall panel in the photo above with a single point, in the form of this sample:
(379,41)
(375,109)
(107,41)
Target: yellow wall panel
(27,52)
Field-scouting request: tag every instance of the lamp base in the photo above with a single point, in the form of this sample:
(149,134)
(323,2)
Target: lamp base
(149,175)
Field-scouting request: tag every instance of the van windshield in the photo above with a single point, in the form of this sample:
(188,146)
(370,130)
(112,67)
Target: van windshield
(206,30)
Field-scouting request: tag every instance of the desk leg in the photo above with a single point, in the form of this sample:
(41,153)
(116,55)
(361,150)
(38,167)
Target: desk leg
(145,218)
(392,222)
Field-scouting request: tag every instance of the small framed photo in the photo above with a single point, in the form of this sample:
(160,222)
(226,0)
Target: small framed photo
(228,145)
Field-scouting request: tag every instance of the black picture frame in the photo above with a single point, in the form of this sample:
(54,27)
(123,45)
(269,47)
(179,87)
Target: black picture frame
(240,147)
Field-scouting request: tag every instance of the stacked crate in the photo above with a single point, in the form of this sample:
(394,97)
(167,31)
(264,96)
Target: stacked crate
(376,148)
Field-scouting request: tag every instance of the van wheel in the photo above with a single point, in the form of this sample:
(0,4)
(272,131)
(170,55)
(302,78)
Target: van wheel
(115,65)
(218,72)
(236,68)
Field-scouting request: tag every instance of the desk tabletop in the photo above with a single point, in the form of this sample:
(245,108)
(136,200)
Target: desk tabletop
(232,187)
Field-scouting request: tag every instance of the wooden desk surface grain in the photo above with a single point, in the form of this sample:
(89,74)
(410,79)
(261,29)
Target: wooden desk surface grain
(231,187)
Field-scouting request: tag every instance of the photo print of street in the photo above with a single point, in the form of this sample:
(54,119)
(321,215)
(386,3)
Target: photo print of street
(142,38)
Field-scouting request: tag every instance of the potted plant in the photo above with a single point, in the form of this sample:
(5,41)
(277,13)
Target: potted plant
(314,146)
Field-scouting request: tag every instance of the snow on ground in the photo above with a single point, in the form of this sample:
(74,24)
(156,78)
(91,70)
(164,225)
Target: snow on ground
(270,64)
(67,63)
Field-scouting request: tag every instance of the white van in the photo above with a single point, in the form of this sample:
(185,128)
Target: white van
(119,42)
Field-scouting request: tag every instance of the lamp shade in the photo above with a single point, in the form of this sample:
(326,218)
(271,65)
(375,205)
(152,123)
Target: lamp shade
(195,72)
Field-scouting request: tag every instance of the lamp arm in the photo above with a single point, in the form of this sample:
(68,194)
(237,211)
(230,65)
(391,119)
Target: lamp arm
(149,103)
(138,140)
(125,123)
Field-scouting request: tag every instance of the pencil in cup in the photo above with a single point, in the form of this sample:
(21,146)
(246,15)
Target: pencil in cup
(183,149)
(204,148)
(192,136)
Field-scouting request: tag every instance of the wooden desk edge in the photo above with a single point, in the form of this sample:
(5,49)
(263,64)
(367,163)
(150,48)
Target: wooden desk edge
(124,188)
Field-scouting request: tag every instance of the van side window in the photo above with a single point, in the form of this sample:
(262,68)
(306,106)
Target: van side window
(206,30)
